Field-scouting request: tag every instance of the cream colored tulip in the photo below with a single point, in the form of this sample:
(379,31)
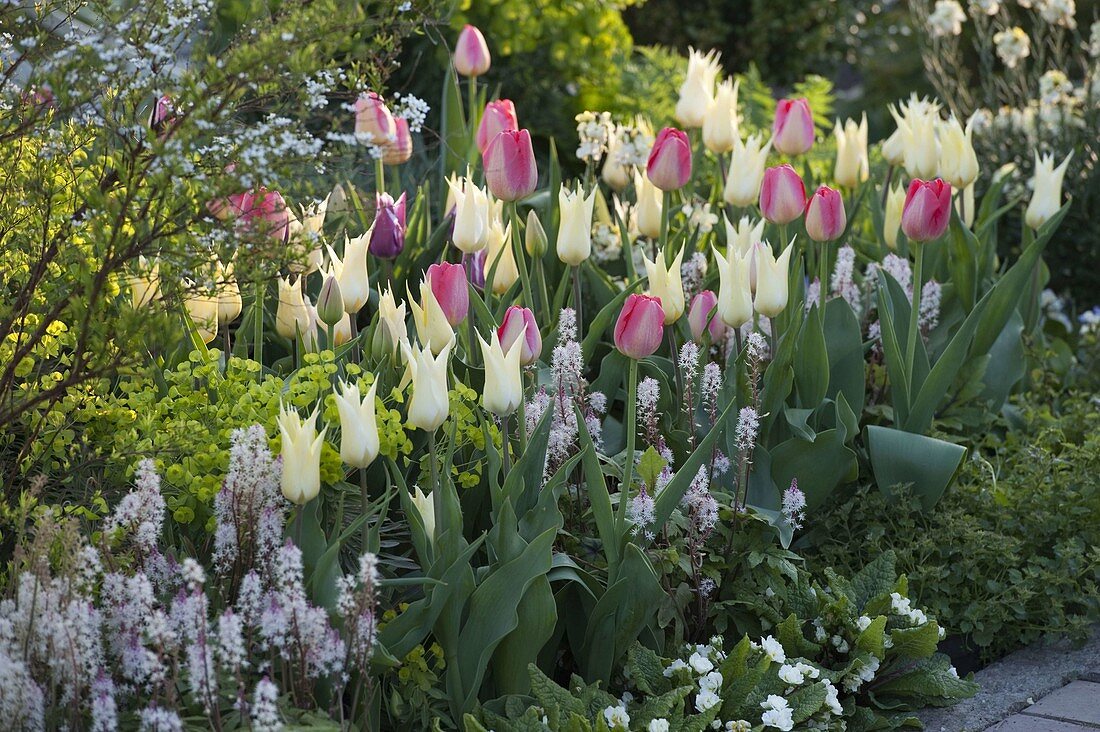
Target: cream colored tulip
(342,333)
(202,308)
(1046,183)
(958,161)
(648,209)
(747,164)
(852,165)
(721,125)
(666,284)
(771,279)
(425,506)
(501,256)
(471,224)
(734,293)
(313,217)
(230,303)
(307,254)
(614,173)
(391,321)
(895,204)
(740,241)
(144,283)
(301,453)
(432,328)
(922,148)
(503,375)
(575,229)
(292,315)
(358,425)
(351,272)
(697,89)
(964,204)
(429,405)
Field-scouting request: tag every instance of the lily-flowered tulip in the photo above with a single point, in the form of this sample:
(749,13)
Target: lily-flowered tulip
(852,165)
(229,295)
(391,321)
(262,211)
(771,280)
(648,210)
(162,118)
(747,165)
(741,236)
(895,203)
(432,328)
(927,210)
(351,272)
(614,173)
(825,217)
(793,127)
(697,89)
(922,148)
(292,316)
(704,319)
(449,285)
(471,225)
(640,327)
(1046,184)
(387,234)
(964,204)
(471,57)
(425,506)
(499,255)
(202,307)
(519,321)
(429,405)
(734,290)
(503,376)
(474,264)
(666,284)
(720,126)
(400,149)
(509,163)
(373,118)
(958,161)
(782,195)
(534,238)
(144,283)
(575,228)
(499,116)
(301,453)
(358,426)
(669,165)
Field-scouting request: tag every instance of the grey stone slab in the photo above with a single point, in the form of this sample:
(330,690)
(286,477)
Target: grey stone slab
(1027,723)
(1078,701)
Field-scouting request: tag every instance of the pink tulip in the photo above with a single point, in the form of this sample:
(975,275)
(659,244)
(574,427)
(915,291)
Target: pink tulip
(163,116)
(641,326)
(515,318)
(825,217)
(782,195)
(260,210)
(669,166)
(499,115)
(372,117)
(401,149)
(509,164)
(448,283)
(703,317)
(471,53)
(927,210)
(793,129)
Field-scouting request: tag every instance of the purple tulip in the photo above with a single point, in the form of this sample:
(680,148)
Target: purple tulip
(387,238)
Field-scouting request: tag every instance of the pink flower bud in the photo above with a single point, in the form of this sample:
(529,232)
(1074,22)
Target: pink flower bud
(515,318)
(509,164)
(162,118)
(793,129)
(471,53)
(703,317)
(499,115)
(448,283)
(641,326)
(372,117)
(782,195)
(401,149)
(825,217)
(669,166)
(927,210)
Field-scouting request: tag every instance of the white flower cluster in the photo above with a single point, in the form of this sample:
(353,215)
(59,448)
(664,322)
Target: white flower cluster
(630,145)
(794,505)
(842,284)
(946,19)
(902,606)
(699,216)
(594,130)
(1058,12)
(412,109)
(1090,321)
(984,7)
(248,510)
(1013,46)
(140,514)
(607,245)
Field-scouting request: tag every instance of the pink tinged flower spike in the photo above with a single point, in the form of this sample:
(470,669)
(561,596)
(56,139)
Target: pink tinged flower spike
(449,286)
(641,326)
(509,163)
(373,118)
(825,217)
(387,236)
(162,118)
(782,195)
(471,57)
(703,317)
(927,210)
(401,148)
(499,116)
(519,320)
(669,166)
(793,128)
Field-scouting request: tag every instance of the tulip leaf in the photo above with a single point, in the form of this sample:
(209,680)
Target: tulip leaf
(524,482)
(454,135)
(889,320)
(603,320)
(1007,363)
(899,458)
(964,248)
(811,368)
(537,616)
(599,498)
(844,343)
(483,315)
(818,466)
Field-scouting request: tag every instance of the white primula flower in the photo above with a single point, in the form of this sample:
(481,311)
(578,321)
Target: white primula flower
(832,698)
(675,666)
(863,623)
(700,663)
(617,718)
(711,682)
(705,700)
(777,713)
(773,649)
(791,675)
(658,725)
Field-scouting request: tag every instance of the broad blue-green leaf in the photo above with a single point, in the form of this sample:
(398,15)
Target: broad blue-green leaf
(899,457)
(811,367)
(818,466)
(844,343)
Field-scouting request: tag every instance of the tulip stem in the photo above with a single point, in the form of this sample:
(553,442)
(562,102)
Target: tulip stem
(822,287)
(886,185)
(914,314)
(631,434)
(258,329)
(521,262)
(577,297)
(298,525)
(521,419)
(364,498)
(471,100)
(380,174)
(506,443)
(665,205)
(434,465)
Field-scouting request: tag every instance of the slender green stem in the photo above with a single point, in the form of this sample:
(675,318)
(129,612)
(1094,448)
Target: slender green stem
(528,293)
(544,293)
(506,442)
(822,279)
(364,498)
(258,329)
(521,418)
(886,185)
(666,204)
(631,435)
(434,462)
(471,104)
(914,315)
(577,297)
(298,525)
(379,175)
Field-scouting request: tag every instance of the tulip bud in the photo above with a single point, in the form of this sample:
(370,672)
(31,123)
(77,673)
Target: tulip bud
(391,322)
(1046,184)
(162,118)
(509,163)
(387,234)
(330,304)
(614,173)
(301,453)
(641,326)
(261,211)
(669,165)
(291,316)
(771,280)
(734,290)
(697,89)
(229,294)
(747,165)
(144,283)
(474,264)
(499,116)
(519,322)
(782,195)
(958,161)
(535,239)
(202,308)
(666,285)
(449,285)
(471,56)
(358,426)
(825,217)
(373,118)
(351,272)
(401,149)
(471,224)
(650,203)
(499,263)
(720,127)
(704,319)
(503,376)
(426,508)
(429,405)
(793,128)
(575,228)
(895,202)
(852,166)
(927,210)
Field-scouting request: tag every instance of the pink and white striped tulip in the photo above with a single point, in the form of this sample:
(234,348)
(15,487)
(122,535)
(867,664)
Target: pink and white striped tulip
(401,148)
(372,117)
(515,320)
(471,57)
(782,195)
(703,317)
(641,326)
(669,166)
(825,217)
(509,163)
(927,210)
(499,115)
(793,128)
